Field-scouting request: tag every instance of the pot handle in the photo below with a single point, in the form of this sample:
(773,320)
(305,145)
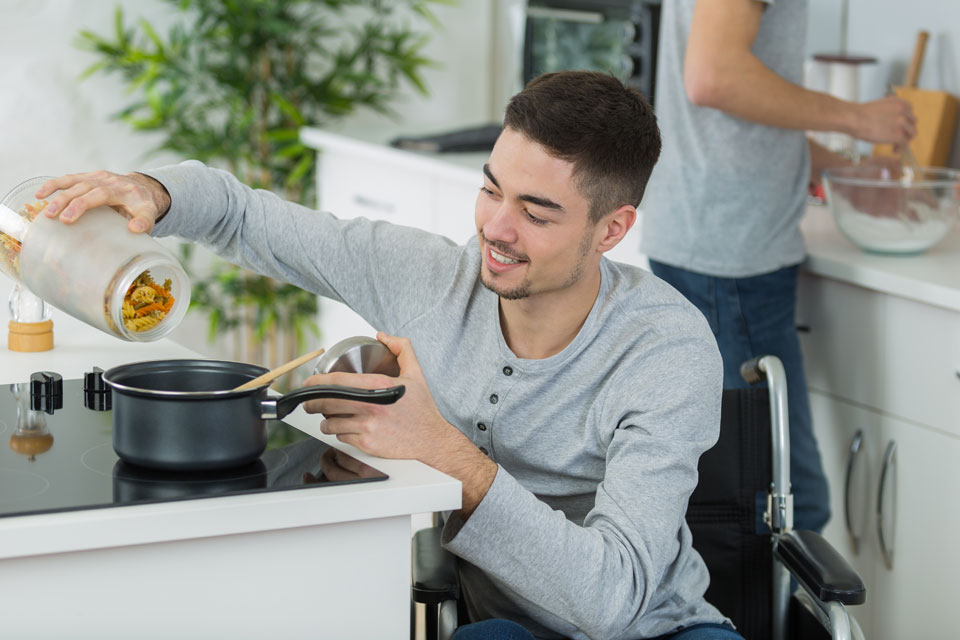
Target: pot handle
(277,408)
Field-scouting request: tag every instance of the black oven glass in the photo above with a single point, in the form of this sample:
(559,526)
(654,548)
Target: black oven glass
(614,36)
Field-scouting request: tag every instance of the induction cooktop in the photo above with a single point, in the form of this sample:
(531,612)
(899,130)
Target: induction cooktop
(59,457)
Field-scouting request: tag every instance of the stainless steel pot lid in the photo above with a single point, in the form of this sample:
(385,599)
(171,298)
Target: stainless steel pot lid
(359,354)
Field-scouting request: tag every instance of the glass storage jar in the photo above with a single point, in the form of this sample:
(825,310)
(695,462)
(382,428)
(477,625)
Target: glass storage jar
(95,269)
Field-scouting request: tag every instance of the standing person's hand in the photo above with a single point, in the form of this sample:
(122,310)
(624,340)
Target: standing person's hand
(888,119)
(139,197)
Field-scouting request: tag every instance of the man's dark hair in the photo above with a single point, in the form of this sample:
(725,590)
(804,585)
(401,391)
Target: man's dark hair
(591,119)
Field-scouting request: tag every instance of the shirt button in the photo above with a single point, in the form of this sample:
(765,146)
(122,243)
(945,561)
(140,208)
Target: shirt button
(494,398)
(484,451)
(481,426)
(508,371)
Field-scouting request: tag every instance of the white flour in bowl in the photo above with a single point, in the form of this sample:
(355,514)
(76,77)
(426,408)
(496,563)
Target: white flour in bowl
(895,235)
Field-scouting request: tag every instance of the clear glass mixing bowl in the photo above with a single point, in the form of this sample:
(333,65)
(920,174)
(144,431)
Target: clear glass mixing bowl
(891,211)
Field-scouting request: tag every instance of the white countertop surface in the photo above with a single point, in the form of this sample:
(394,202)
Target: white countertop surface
(932,277)
(374,143)
(412,487)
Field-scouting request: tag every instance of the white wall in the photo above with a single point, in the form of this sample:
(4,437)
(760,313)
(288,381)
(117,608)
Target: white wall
(886,30)
(51,122)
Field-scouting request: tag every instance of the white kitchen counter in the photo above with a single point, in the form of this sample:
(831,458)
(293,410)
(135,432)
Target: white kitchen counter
(208,558)
(932,277)
(373,144)
(412,487)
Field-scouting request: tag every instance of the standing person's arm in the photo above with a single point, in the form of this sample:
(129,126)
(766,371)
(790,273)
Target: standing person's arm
(721,72)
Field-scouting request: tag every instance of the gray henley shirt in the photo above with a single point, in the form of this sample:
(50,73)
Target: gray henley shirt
(582,534)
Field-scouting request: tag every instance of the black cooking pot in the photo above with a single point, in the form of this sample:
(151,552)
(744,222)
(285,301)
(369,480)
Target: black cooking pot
(183,415)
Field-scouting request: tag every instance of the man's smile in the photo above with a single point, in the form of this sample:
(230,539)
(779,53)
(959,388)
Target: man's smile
(500,262)
(502,258)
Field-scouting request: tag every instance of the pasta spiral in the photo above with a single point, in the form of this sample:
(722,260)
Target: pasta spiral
(146,303)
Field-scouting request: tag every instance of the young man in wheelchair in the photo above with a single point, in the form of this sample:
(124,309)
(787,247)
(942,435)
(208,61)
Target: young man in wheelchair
(572,396)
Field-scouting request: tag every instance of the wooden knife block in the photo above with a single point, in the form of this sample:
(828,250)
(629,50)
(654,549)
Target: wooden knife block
(936,113)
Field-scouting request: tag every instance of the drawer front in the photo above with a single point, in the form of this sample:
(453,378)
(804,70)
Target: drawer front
(896,355)
(351,187)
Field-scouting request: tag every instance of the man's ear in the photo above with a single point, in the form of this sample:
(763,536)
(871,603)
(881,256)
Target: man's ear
(614,226)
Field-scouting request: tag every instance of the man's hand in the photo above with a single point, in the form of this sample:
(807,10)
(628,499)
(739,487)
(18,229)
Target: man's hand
(889,120)
(141,198)
(411,428)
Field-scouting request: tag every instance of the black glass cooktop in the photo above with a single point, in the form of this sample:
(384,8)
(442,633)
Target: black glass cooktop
(64,460)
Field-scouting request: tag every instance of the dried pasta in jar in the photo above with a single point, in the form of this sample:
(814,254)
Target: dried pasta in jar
(10,245)
(146,303)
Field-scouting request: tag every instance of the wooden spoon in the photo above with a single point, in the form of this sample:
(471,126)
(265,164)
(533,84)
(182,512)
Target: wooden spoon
(273,374)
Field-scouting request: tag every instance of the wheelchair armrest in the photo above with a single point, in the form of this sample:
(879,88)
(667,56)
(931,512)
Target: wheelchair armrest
(816,564)
(434,569)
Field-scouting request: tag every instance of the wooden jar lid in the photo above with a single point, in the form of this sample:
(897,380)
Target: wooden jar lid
(30,336)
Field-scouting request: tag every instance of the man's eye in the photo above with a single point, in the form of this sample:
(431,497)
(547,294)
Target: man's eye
(484,189)
(535,220)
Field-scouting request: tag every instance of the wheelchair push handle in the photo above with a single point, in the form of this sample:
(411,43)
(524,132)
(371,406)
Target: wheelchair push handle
(780,500)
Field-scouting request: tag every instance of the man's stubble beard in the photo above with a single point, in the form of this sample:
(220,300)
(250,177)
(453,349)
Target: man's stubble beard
(524,289)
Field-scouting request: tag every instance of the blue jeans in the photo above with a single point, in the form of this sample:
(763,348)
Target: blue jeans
(703,632)
(752,317)
(493,629)
(498,629)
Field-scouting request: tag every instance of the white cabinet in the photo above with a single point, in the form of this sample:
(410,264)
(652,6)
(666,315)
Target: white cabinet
(885,367)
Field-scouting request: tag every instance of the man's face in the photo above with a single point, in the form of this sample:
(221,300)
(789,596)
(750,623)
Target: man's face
(532,222)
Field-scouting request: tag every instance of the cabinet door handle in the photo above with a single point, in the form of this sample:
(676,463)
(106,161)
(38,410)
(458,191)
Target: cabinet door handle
(856,446)
(369,203)
(889,469)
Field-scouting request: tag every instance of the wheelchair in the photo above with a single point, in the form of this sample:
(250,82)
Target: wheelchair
(741,517)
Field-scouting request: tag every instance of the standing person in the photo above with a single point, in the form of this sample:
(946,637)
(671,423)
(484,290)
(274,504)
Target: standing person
(722,214)
(572,396)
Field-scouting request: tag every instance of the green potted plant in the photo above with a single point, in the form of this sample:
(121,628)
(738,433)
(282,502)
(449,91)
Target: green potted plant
(231,84)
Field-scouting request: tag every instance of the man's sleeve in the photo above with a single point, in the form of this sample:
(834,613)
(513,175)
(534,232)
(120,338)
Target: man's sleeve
(386,273)
(603,576)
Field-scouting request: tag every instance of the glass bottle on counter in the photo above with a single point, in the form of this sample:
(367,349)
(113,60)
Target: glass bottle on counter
(95,269)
